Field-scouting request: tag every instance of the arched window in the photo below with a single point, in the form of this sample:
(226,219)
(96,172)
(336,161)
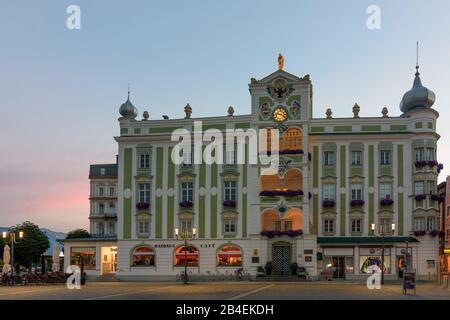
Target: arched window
(293,179)
(143,257)
(186,255)
(291,139)
(270,220)
(101,208)
(229,256)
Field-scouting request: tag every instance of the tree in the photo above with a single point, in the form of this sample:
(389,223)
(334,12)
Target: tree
(29,249)
(77,234)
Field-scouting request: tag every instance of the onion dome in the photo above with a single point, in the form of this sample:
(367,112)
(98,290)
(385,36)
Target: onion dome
(418,97)
(128,110)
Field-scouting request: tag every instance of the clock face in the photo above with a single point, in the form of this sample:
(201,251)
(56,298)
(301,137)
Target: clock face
(279,114)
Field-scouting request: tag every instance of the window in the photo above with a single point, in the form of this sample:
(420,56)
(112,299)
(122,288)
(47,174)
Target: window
(145,161)
(419,223)
(229,256)
(87,255)
(186,225)
(102,171)
(229,226)
(356,190)
(356,225)
(288,225)
(230,190)
(143,257)
(329,191)
(100,191)
(356,158)
(278,225)
(431,187)
(430,154)
(385,191)
(111,228)
(144,192)
(328,226)
(385,157)
(186,256)
(419,154)
(100,229)
(111,191)
(143,227)
(328,158)
(112,208)
(431,223)
(101,208)
(385,226)
(186,191)
(230,154)
(419,188)
(187,158)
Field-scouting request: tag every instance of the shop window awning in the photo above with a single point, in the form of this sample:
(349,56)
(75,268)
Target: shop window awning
(364,240)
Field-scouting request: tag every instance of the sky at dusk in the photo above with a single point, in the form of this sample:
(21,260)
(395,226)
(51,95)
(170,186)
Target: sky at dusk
(61,89)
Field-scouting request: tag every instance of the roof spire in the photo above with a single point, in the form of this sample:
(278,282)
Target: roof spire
(128,91)
(417,59)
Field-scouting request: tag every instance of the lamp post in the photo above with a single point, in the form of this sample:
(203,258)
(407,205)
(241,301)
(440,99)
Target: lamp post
(383,234)
(12,236)
(185,237)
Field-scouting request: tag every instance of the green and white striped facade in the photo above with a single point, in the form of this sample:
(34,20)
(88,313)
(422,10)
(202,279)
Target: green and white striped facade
(319,245)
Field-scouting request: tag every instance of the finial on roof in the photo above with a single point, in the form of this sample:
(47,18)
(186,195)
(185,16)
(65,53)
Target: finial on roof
(356,109)
(188,111)
(417,59)
(280,62)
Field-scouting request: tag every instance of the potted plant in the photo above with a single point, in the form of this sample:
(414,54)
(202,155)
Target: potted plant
(294,268)
(268,268)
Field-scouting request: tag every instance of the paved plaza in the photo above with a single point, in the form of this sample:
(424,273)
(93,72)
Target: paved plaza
(222,291)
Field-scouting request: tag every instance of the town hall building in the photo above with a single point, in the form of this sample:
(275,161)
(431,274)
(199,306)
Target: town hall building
(348,193)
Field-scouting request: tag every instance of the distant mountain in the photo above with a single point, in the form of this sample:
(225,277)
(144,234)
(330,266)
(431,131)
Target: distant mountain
(52,237)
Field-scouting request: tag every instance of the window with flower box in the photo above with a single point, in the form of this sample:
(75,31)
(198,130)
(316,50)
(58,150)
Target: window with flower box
(329,191)
(187,191)
(419,223)
(419,188)
(144,192)
(431,155)
(385,191)
(431,223)
(419,154)
(356,191)
(230,190)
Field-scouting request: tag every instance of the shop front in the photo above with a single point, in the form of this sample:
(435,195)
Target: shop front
(352,258)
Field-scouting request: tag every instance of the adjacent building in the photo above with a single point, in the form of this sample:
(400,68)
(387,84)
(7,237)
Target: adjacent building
(344,190)
(444,209)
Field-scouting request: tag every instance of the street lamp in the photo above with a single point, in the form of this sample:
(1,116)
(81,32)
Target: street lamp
(383,234)
(12,236)
(185,237)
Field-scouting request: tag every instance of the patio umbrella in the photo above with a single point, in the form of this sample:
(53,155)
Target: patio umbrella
(6,259)
(55,258)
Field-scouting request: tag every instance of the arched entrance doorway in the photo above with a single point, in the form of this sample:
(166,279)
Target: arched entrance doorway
(281,258)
